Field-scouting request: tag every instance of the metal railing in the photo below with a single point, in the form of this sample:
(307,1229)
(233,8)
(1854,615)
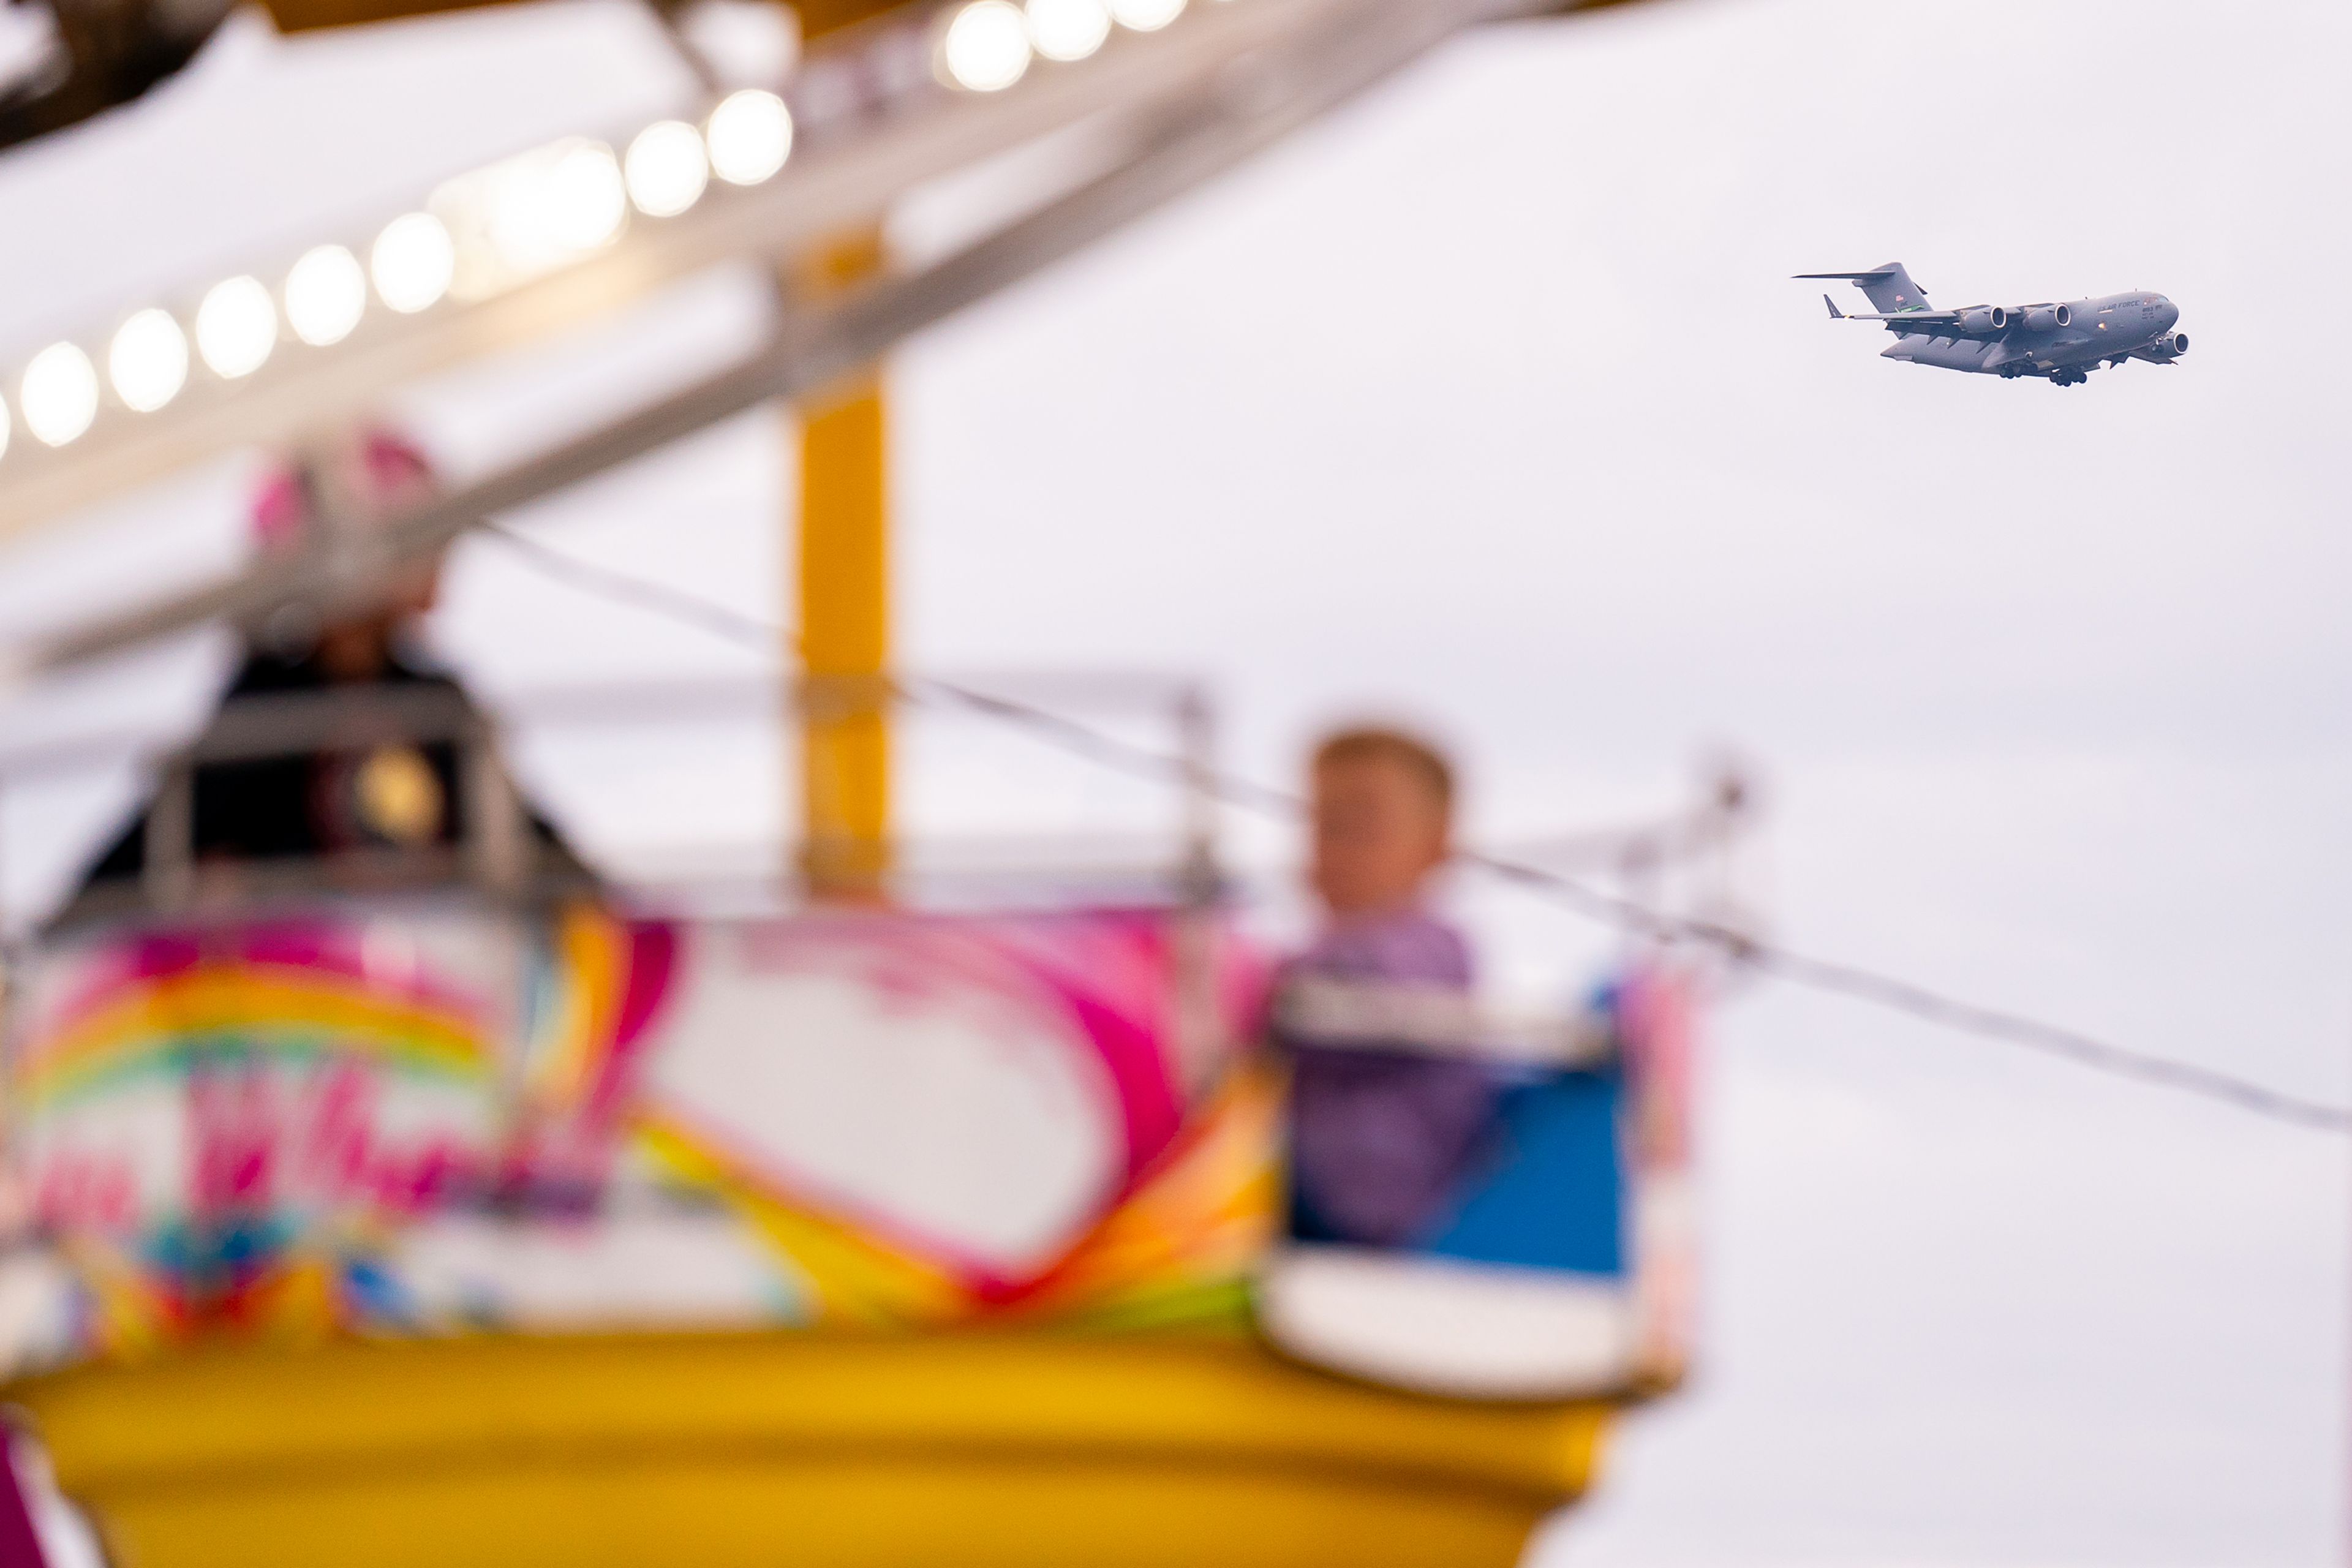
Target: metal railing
(502,854)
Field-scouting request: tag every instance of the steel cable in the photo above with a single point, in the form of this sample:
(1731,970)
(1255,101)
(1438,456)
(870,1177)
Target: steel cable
(1851,981)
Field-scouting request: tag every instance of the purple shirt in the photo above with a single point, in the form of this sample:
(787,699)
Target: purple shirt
(1381,1143)
(1413,946)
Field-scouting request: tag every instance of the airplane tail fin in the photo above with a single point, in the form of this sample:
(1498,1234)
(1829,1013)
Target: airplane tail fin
(1888,289)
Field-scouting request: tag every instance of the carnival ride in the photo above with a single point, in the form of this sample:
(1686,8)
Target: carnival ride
(448,1207)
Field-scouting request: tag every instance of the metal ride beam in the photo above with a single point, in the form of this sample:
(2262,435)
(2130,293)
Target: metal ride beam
(846,175)
(1242,97)
(817,17)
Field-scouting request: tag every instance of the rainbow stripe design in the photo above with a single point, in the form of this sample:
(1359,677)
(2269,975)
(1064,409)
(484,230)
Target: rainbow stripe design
(600,984)
(223,1129)
(156,1002)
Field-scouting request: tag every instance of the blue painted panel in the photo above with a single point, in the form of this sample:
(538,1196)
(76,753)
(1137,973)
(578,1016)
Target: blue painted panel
(1551,1191)
(1481,1164)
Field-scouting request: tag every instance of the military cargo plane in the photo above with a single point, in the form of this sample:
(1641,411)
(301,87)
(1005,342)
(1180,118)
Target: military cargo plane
(2064,342)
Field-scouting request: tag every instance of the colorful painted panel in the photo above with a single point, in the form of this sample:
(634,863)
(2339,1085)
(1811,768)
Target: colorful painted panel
(934,1119)
(432,1119)
(213,1125)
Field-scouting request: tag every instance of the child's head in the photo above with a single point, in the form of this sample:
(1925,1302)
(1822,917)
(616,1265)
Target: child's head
(1383,809)
(382,472)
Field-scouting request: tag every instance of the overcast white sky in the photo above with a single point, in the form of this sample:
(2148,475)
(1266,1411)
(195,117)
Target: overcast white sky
(1490,401)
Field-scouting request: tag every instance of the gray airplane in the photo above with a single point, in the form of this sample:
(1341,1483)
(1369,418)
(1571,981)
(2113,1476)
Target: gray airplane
(2064,342)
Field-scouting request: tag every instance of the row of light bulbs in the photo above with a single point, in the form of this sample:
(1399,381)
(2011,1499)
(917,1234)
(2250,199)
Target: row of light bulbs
(478,234)
(988,44)
(514,221)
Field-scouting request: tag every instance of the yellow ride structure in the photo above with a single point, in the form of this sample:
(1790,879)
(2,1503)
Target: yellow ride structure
(971,1447)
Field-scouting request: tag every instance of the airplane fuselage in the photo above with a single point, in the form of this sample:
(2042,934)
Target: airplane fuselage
(2110,328)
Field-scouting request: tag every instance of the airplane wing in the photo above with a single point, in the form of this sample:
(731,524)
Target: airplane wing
(1922,318)
(1936,323)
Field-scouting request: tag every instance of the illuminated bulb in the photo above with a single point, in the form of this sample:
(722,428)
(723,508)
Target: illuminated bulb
(59,396)
(325,295)
(4,428)
(986,48)
(750,136)
(1146,15)
(584,201)
(413,262)
(236,326)
(1067,29)
(148,361)
(665,169)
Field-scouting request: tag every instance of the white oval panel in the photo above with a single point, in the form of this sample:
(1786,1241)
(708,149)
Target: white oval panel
(938,1105)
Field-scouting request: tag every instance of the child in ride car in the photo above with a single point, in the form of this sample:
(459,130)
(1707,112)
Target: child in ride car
(1379,1139)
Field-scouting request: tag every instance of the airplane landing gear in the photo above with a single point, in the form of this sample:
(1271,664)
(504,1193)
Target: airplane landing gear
(2069,377)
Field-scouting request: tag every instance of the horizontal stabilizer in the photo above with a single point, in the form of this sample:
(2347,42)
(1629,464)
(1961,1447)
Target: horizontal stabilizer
(1888,288)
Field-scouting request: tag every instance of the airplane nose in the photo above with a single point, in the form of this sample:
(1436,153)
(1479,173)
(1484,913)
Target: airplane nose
(2170,313)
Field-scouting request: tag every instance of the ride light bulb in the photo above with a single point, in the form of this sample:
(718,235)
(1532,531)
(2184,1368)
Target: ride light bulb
(750,136)
(59,394)
(585,200)
(665,169)
(326,293)
(413,262)
(1146,15)
(1067,30)
(986,46)
(148,361)
(236,326)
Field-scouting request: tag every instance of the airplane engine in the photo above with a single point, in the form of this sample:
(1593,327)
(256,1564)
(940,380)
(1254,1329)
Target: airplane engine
(2048,318)
(2172,346)
(1984,318)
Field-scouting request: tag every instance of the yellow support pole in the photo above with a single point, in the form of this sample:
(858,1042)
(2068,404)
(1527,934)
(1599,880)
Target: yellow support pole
(844,620)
